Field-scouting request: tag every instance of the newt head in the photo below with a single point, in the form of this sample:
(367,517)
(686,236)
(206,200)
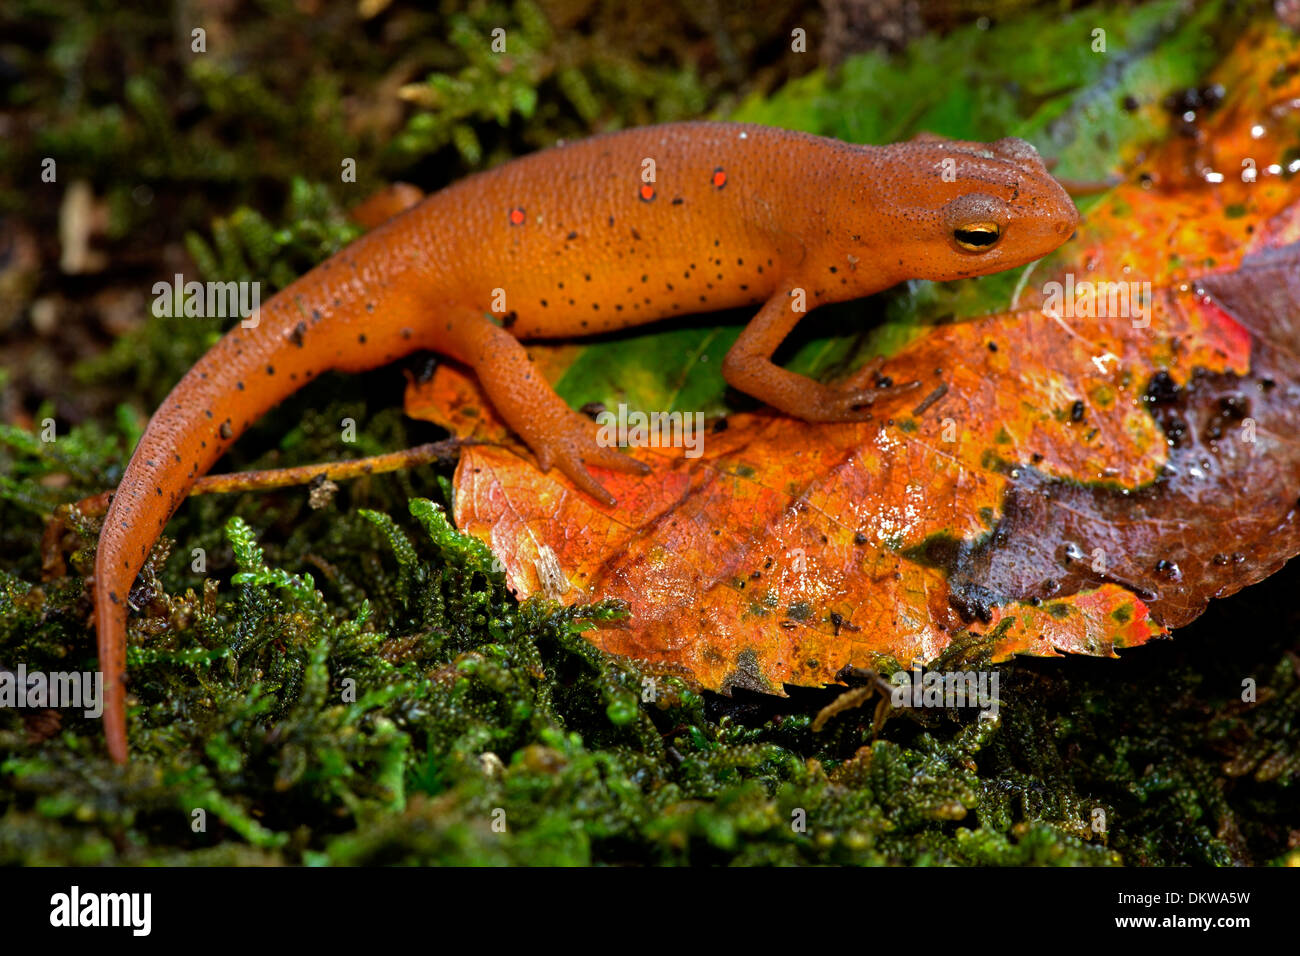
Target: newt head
(970,209)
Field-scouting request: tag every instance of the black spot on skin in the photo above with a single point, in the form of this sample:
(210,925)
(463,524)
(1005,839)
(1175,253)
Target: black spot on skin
(678,201)
(158,491)
(572,235)
(370,307)
(611,220)
(226,431)
(177,457)
(544,304)
(406,334)
(239,385)
(315,315)
(834,270)
(298,332)
(208,412)
(362,338)
(270,370)
(587,276)
(510,319)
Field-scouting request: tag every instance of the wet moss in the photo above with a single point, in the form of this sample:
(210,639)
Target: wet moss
(420,714)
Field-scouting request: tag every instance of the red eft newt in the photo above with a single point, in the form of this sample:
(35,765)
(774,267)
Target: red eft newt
(581,240)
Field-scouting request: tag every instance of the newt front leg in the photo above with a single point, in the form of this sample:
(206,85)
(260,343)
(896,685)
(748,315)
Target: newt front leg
(748,367)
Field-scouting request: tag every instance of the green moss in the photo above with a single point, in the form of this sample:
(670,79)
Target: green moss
(401,722)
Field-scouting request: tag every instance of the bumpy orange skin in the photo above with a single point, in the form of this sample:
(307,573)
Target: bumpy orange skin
(610,232)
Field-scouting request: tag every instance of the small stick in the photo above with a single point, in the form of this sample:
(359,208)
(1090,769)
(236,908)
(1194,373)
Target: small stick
(303,474)
(52,558)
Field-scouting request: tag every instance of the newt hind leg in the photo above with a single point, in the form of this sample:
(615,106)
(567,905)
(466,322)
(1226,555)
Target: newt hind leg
(557,435)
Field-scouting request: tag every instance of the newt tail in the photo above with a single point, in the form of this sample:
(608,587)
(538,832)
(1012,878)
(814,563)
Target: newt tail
(247,372)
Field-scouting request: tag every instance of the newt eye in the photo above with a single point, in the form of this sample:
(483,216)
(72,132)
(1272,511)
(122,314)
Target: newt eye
(977,236)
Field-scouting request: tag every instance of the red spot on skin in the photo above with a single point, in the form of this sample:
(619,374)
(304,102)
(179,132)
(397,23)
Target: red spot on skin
(719,177)
(647,192)
(516,217)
